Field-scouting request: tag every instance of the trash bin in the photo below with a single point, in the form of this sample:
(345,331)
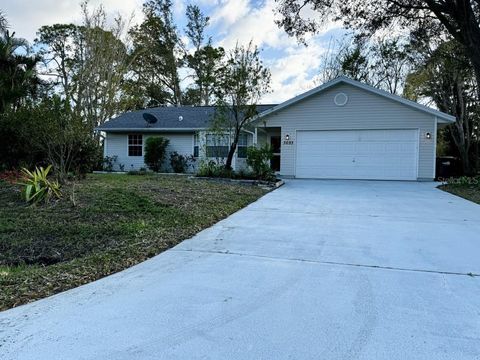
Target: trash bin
(447,166)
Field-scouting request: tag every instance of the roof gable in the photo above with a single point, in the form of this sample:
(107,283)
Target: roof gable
(442,117)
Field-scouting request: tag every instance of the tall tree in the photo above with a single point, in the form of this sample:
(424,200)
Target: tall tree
(241,85)
(205,61)
(102,65)
(195,29)
(58,50)
(157,56)
(87,64)
(383,63)
(354,62)
(461,18)
(391,62)
(446,77)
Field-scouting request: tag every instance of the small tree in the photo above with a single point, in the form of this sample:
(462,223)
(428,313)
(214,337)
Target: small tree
(64,137)
(243,81)
(155,150)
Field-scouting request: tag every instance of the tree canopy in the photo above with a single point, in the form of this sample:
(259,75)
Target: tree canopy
(459,18)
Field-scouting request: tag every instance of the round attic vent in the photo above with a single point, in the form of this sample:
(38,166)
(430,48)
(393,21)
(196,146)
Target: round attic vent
(340,99)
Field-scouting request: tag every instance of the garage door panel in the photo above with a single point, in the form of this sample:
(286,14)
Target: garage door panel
(357,154)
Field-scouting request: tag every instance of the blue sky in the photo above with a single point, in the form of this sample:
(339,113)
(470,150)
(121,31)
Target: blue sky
(293,66)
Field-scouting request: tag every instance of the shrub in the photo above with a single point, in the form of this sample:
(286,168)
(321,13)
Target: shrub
(259,160)
(180,163)
(88,158)
(155,149)
(245,174)
(48,132)
(20,138)
(212,169)
(38,187)
(109,163)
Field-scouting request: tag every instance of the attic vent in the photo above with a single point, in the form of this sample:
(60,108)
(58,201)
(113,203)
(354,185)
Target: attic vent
(180,118)
(340,99)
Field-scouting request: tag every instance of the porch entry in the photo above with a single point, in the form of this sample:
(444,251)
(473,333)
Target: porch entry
(275,143)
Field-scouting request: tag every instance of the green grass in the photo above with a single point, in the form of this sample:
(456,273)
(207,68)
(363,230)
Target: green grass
(117,221)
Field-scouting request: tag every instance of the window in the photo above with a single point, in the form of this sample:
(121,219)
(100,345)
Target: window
(217,145)
(135,145)
(242,146)
(196,141)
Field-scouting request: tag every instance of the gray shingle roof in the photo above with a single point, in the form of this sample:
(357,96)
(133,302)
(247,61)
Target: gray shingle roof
(193,117)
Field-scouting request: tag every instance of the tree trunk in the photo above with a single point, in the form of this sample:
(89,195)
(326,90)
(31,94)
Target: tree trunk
(231,152)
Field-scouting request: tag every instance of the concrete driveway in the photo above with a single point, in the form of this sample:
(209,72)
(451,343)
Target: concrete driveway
(313,270)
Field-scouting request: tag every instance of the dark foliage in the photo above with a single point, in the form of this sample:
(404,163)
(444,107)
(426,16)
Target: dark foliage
(180,163)
(259,160)
(155,151)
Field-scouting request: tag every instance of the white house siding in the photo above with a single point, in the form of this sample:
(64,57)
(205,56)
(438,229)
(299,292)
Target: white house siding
(237,163)
(364,110)
(116,144)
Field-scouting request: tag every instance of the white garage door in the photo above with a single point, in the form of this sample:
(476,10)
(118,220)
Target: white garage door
(357,154)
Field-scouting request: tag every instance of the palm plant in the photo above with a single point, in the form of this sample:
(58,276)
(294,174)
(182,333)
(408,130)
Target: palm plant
(18,75)
(37,186)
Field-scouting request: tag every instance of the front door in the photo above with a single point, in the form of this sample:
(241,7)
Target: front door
(275,143)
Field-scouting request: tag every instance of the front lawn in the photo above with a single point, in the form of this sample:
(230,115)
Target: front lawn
(467,188)
(117,221)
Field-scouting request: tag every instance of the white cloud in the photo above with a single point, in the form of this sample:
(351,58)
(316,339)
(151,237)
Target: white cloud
(292,65)
(27,16)
(293,73)
(229,12)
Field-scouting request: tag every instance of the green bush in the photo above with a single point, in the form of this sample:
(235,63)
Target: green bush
(259,160)
(212,169)
(155,150)
(20,138)
(180,163)
(109,162)
(37,186)
(88,158)
(47,132)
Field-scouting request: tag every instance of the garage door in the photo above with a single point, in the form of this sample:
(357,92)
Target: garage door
(357,154)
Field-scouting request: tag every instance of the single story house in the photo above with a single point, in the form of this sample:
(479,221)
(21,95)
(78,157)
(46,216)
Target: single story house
(342,129)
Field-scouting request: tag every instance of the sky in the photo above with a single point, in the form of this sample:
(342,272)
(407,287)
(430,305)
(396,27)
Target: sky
(293,66)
